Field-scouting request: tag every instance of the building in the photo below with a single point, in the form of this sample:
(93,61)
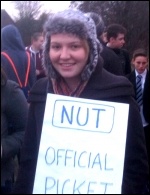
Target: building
(5,18)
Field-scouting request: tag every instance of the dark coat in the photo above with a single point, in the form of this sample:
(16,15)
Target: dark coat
(146,94)
(111,61)
(14,110)
(12,44)
(101,86)
(124,60)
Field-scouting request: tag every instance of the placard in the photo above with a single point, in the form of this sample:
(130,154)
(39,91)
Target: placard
(82,147)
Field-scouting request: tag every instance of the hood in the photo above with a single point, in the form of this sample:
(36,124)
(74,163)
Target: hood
(11,39)
(100,26)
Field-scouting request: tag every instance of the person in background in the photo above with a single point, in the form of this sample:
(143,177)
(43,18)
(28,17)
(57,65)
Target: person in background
(111,60)
(72,58)
(12,45)
(116,40)
(35,50)
(140,64)
(14,110)
(104,37)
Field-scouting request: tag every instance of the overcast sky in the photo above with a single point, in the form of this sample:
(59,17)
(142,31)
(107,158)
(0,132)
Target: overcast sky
(47,6)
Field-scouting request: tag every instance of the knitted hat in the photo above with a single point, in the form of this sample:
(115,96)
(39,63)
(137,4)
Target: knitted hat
(100,26)
(74,22)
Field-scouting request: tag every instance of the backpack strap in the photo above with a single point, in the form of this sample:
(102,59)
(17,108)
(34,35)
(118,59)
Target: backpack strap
(28,68)
(14,68)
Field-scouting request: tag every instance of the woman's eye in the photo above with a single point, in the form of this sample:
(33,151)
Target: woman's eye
(75,46)
(55,46)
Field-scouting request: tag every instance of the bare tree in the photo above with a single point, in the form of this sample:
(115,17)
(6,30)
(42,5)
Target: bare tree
(30,18)
(30,9)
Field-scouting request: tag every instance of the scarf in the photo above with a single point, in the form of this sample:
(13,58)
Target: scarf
(60,87)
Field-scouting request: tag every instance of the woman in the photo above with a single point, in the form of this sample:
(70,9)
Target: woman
(14,110)
(72,58)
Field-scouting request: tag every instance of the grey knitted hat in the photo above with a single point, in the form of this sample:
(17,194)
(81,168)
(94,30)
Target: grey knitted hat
(75,22)
(100,26)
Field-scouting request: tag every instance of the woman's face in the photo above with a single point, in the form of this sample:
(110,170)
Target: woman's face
(68,54)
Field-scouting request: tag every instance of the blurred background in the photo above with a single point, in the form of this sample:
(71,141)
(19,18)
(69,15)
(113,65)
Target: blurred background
(29,17)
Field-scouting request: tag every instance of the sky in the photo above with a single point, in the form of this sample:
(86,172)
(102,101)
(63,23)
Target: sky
(47,6)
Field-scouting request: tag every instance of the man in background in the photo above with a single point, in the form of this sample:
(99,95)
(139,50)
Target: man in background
(116,40)
(140,74)
(35,50)
(110,60)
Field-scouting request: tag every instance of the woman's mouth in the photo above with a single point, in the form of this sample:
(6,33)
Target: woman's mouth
(67,64)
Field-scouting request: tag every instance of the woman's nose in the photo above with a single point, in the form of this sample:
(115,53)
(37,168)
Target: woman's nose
(65,54)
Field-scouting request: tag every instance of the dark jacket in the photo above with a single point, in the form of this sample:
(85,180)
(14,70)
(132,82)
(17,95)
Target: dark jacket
(12,44)
(146,94)
(124,59)
(101,86)
(111,61)
(14,110)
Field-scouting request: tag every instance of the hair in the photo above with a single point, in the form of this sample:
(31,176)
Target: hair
(35,36)
(139,52)
(3,77)
(99,23)
(114,29)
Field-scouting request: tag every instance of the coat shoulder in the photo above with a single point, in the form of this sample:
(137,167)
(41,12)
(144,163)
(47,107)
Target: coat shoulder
(39,90)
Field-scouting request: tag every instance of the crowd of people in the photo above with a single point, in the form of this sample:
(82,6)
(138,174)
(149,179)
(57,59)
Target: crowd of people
(72,58)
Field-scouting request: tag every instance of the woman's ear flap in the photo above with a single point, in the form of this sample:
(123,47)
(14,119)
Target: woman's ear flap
(99,47)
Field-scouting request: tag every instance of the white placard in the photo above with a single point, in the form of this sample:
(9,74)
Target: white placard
(82,147)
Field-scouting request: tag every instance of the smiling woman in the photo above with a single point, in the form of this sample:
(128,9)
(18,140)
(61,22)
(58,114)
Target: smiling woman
(69,54)
(71,57)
